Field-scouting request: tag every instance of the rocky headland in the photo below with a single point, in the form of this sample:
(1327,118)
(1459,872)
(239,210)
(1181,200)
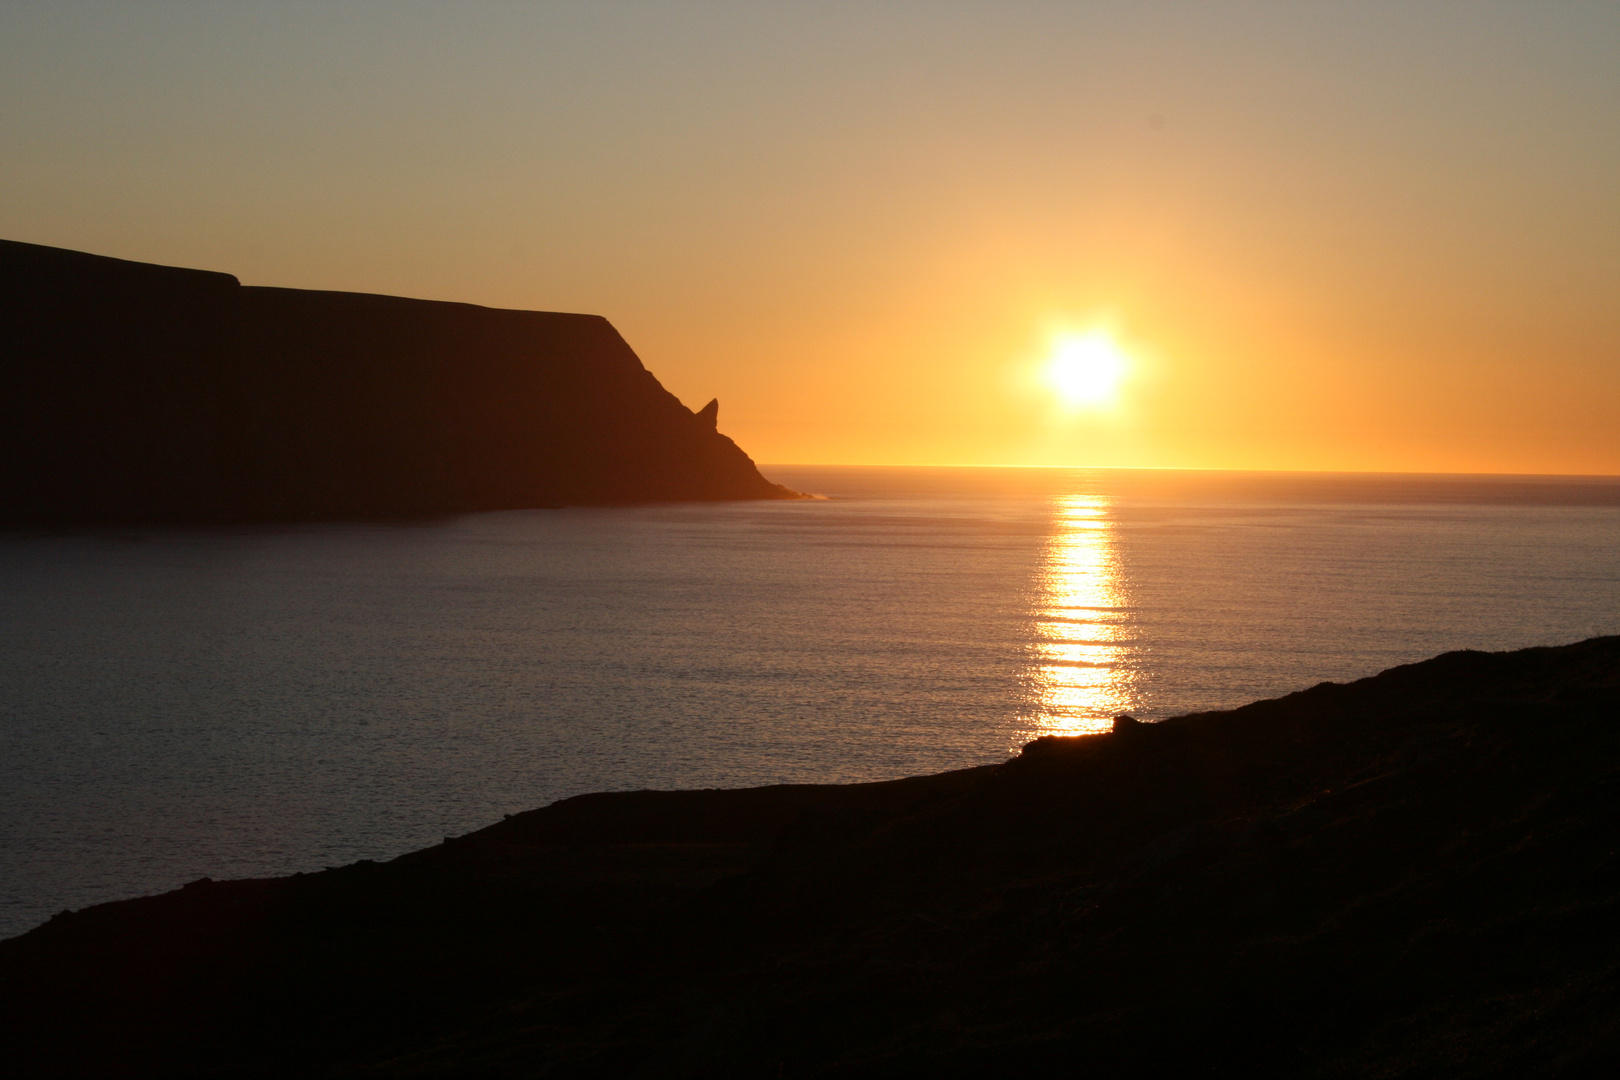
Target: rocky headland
(1416,874)
(131,393)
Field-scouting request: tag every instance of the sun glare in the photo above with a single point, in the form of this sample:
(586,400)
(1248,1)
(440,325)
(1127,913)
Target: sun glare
(1086,370)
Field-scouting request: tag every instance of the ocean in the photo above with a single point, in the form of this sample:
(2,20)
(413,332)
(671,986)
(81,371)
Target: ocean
(237,702)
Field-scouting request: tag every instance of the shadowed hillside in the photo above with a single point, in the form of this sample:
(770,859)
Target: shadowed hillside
(131,392)
(1414,874)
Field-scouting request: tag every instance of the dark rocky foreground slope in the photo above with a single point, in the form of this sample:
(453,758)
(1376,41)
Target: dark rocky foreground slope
(131,392)
(1416,874)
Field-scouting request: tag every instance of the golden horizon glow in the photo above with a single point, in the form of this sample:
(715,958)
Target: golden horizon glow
(1324,237)
(1078,680)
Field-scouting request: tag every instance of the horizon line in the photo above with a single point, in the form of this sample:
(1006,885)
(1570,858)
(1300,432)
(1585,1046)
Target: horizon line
(1192,468)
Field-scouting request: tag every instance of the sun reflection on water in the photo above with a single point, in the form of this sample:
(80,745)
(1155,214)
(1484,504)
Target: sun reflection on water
(1080,675)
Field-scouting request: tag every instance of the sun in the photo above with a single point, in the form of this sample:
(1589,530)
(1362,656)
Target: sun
(1087,370)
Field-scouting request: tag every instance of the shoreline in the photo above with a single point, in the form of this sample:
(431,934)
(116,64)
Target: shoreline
(1409,872)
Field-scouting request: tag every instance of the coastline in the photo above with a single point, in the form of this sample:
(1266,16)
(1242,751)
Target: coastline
(1407,872)
(139,394)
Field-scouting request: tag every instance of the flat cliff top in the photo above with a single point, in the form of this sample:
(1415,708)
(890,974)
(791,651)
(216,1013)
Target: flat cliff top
(139,393)
(1411,874)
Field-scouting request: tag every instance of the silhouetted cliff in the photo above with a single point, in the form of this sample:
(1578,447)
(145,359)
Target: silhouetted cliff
(133,392)
(1411,875)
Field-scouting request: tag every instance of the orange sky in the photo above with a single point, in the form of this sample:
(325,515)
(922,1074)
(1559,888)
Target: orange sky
(1380,236)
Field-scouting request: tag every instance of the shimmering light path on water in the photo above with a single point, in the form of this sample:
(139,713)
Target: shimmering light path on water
(228,703)
(1081,676)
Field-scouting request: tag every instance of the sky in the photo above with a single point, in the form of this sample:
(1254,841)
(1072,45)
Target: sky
(1371,236)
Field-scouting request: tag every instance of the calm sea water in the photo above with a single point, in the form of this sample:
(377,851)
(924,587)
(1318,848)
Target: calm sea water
(242,702)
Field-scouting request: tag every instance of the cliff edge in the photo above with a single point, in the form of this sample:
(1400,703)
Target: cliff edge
(133,392)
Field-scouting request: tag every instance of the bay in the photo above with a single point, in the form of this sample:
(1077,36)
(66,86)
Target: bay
(241,702)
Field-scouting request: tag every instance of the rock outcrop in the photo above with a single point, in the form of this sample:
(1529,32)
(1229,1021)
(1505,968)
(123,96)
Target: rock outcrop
(132,392)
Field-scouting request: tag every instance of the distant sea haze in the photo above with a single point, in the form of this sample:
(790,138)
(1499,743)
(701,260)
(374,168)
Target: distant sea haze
(236,702)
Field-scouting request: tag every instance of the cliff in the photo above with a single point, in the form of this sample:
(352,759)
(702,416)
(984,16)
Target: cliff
(1414,874)
(131,392)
